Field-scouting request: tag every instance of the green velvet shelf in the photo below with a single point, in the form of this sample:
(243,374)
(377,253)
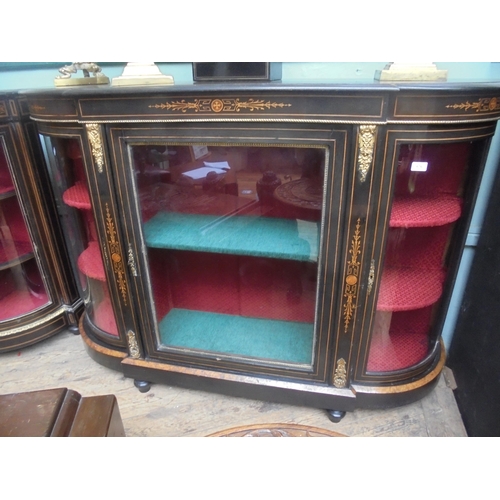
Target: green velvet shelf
(282,341)
(238,235)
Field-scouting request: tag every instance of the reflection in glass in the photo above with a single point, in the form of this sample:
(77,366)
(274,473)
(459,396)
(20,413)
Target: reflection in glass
(427,204)
(233,240)
(21,286)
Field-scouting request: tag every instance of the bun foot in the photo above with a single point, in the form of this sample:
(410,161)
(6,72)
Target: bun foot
(142,385)
(335,416)
(74,329)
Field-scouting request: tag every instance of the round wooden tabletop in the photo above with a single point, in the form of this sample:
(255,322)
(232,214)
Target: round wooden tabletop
(276,430)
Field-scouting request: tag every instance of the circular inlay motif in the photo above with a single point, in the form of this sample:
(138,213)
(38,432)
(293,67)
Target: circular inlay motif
(116,257)
(351,280)
(493,104)
(217,105)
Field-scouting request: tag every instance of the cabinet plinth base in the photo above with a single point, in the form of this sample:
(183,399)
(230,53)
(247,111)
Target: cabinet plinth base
(43,325)
(145,372)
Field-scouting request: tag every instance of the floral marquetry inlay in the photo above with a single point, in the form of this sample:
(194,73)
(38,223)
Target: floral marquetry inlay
(352,277)
(116,256)
(223,105)
(485,105)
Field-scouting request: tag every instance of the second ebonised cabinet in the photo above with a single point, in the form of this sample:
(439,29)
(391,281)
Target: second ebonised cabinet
(38,294)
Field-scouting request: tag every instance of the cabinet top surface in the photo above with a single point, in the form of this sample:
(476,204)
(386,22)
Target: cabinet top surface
(269,86)
(322,102)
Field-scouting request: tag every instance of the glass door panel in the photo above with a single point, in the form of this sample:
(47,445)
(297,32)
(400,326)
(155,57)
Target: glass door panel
(22,289)
(428,202)
(67,175)
(232,235)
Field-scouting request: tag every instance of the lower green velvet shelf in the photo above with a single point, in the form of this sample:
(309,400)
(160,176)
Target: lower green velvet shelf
(237,235)
(284,341)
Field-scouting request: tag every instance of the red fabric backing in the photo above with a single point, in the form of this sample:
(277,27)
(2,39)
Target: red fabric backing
(425,206)
(445,173)
(5,187)
(406,289)
(229,284)
(15,241)
(12,250)
(14,219)
(413,274)
(20,302)
(406,343)
(77,196)
(6,183)
(90,262)
(424,212)
(104,317)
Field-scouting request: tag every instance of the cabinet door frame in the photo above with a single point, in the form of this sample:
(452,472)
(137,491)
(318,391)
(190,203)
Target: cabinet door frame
(378,219)
(104,212)
(332,138)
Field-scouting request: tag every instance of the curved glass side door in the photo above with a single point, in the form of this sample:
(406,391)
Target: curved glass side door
(22,288)
(432,183)
(67,175)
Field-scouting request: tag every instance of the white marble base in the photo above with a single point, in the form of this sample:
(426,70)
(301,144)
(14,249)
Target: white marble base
(411,72)
(142,74)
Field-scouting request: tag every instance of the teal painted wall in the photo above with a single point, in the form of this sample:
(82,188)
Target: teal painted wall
(39,75)
(15,76)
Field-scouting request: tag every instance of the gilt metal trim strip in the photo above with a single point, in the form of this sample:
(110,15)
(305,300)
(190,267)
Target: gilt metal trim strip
(389,121)
(34,324)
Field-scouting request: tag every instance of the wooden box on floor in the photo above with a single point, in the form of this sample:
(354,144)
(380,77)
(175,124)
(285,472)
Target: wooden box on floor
(59,413)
